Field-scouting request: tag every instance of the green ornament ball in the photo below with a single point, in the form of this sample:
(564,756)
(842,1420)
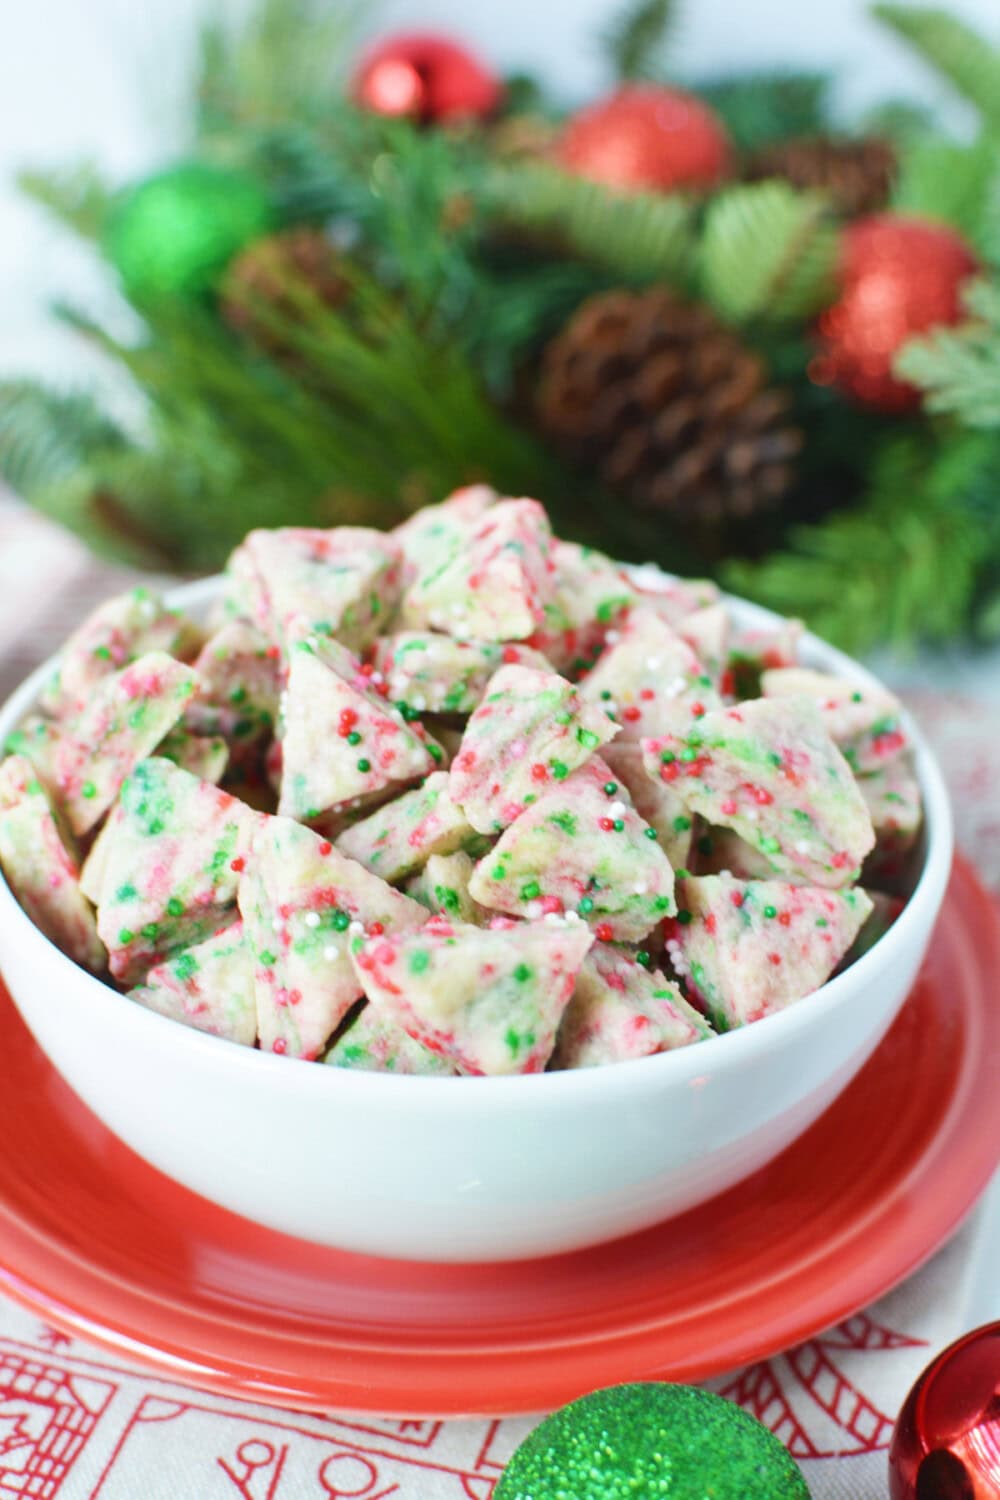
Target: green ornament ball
(651,1442)
(173,234)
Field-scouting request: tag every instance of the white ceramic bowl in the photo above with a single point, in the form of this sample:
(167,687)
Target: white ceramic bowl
(465,1169)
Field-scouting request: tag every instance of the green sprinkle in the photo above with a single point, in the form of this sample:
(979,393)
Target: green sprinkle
(588,739)
(150,932)
(238,695)
(564,718)
(155,826)
(522,973)
(667,757)
(689,755)
(661,903)
(364,765)
(341,921)
(435,752)
(770,911)
(559,769)
(530,890)
(774,757)
(126,892)
(498,872)
(650,833)
(586,906)
(175,908)
(771,845)
(88,789)
(684,917)
(642,957)
(268,959)
(354,737)
(619,825)
(682,874)
(605,694)
(855,697)
(419,961)
(610,787)
(125,936)
(102,653)
(704,680)
(682,824)
(513,1042)
(822,922)
(186,967)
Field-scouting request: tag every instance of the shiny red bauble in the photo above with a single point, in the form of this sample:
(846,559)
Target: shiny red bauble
(647,137)
(899,276)
(946,1445)
(427,77)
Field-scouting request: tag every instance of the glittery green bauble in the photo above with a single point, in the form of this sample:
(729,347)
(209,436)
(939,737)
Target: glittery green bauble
(652,1442)
(176,232)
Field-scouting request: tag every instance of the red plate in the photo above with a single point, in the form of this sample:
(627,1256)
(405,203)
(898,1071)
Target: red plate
(98,1242)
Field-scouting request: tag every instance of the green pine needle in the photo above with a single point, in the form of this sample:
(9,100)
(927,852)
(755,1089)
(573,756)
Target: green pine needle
(79,197)
(636,40)
(640,237)
(758,108)
(959,368)
(902,567)
(952,183)
(952,48)
(768,253)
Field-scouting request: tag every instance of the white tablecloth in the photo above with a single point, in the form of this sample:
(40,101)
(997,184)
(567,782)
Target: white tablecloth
(78,1424)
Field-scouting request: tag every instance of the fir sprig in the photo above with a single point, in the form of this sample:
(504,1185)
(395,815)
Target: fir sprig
(959,368)
(636,41)
(903,566)
(768,253)
(969,61)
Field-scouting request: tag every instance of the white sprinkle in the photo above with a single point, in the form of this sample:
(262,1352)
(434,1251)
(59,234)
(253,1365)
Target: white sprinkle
(331,951)
(419,704)
(377,677)
(456,608)
(803,846)
(652,663)
(312,919)
(277,925)
(552,917)
(640,888)
(573,916)
(617,809)
(312,641)
(437,617)
(356,929)
(518,748)
(147,609)
(751,814)
(613,637)
(533,910)
(675,688)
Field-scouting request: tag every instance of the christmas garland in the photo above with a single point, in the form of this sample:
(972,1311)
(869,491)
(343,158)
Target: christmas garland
(700,324)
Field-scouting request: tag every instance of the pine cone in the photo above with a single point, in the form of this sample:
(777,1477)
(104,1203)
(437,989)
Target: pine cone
(669,406)
(858,174)
(269,271)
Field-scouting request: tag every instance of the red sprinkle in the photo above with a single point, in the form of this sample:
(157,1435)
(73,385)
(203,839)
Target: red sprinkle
(238,864)
(632,713)
(785,918)
(647,694)
(774,958)
(698,710)
(608,824)
(272,653)
(727,682)
(551,904)
(670,771)
(366,669)
(510,655)
(326,847)
(736,897)
(539,772)
(376,929)
(762,795)
(728,808)
(710,922)
(841,860)
(280,1045)
(604,932)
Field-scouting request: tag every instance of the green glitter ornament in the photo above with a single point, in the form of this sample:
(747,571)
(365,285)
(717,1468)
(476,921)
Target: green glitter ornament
(651,1442)
(174,234)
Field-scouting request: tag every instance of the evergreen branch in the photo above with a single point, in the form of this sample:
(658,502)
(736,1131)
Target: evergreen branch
(636,39)
(758,108)
(45,436)
(640,237)
(959,368)
(79,197)
(768,253)
(902,567)
(957,184)
(952,48)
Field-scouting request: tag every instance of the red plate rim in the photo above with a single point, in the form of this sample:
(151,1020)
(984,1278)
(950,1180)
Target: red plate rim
(630,1318)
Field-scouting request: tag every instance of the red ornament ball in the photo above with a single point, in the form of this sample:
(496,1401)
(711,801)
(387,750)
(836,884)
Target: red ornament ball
(645,136)
(898,277)
(428,77)
(946,1445)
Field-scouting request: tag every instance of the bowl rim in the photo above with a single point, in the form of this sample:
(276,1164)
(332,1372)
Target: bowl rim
(731,1051)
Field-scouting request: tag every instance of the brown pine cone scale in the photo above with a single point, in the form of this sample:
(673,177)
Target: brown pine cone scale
(672,409)
(857,174)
